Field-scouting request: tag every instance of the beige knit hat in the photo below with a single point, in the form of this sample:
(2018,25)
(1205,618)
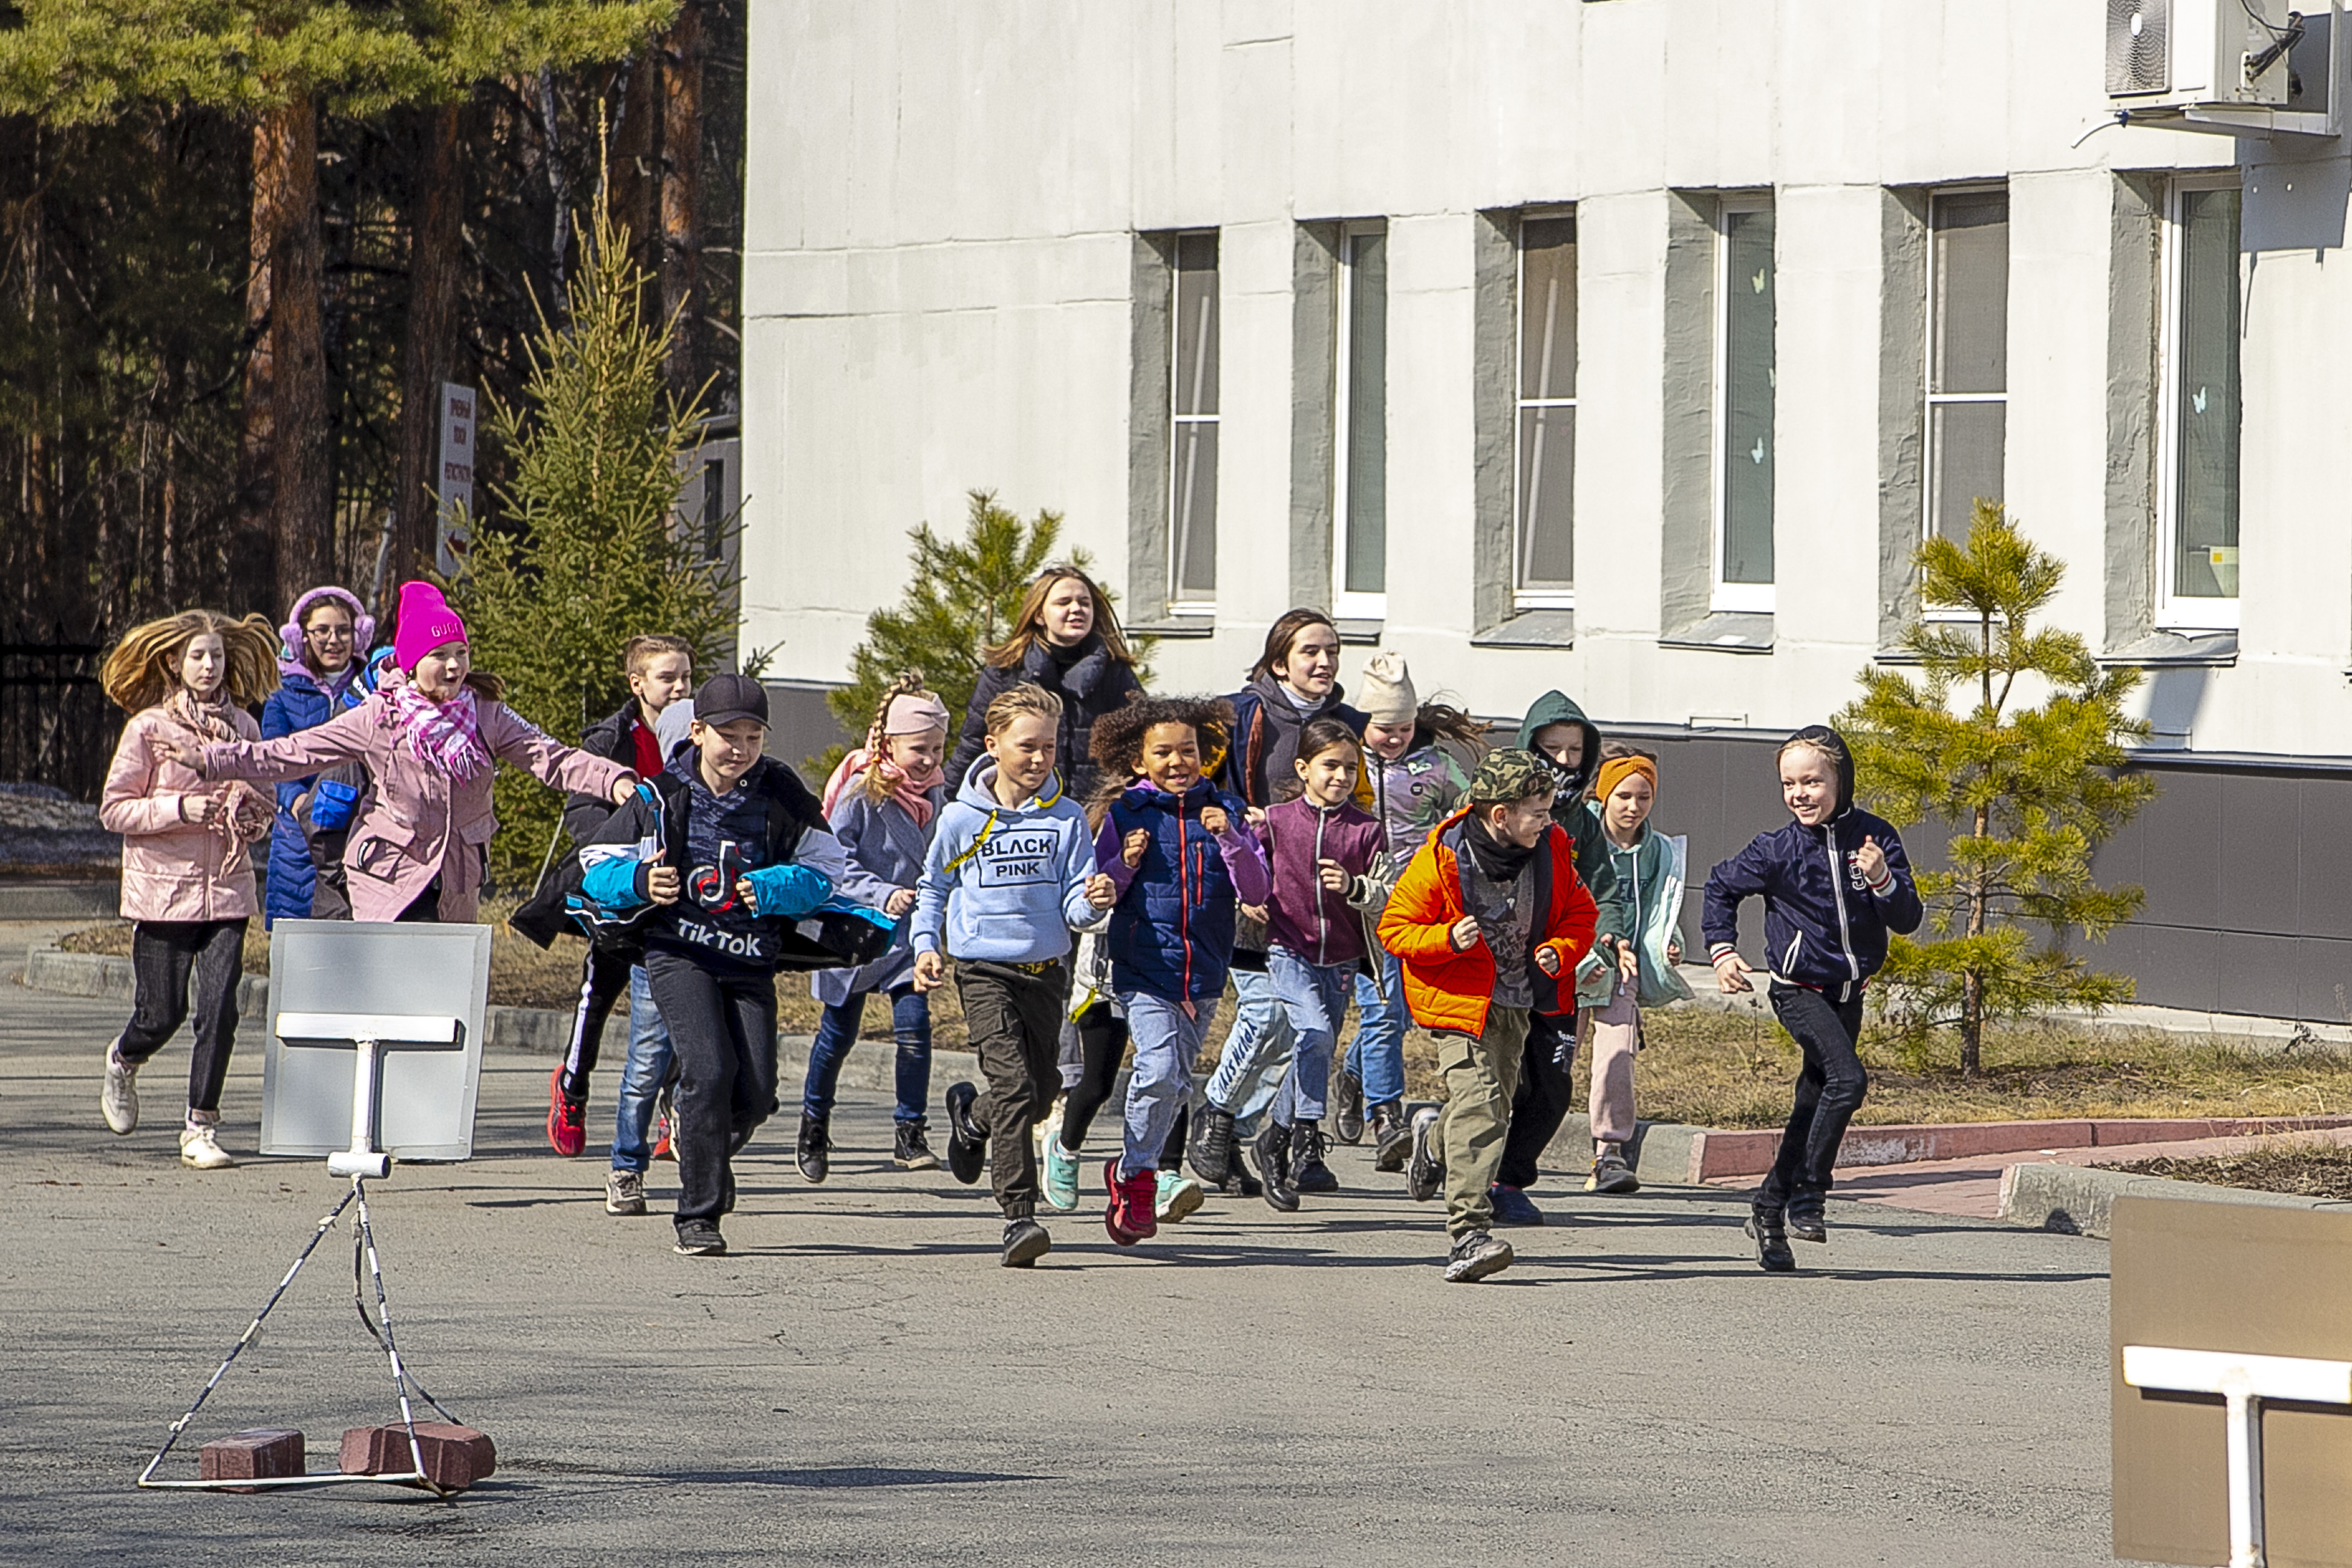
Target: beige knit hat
(1385,694)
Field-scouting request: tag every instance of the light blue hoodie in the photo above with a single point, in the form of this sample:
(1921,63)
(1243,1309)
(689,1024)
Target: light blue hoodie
(1005,884)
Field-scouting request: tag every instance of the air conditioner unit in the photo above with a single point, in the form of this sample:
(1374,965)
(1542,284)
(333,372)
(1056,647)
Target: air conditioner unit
(2182,54)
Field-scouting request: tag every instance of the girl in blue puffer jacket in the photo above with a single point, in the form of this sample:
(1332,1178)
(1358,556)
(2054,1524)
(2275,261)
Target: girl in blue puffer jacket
(1180,857)
(1835,882)
(321,646)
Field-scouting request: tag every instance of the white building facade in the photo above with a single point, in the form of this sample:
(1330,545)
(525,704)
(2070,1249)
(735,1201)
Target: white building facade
(1623,346)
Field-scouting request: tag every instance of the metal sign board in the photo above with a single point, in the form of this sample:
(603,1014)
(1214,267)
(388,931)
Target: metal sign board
(427,1083)
(457,476)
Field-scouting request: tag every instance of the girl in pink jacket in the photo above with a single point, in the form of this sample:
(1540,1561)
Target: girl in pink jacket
(429,735)
(188,856)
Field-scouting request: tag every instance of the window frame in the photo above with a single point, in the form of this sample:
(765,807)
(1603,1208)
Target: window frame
(1179,607)
(1346,605)
(2173,612)
(1931,399)
(1522,597)
(1751,598)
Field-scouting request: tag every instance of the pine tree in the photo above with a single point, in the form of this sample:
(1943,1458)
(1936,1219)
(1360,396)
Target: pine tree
(587,555)
(961,599)
(2029,791)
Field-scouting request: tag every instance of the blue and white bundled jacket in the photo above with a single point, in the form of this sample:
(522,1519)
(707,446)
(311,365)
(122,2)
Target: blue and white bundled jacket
(1005,884)
(1825,926)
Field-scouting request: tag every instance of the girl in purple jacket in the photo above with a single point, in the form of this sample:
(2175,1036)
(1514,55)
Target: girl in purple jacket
(1322,846)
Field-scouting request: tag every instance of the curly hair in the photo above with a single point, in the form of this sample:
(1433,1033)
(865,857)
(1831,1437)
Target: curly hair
(144,669)
(1117,741)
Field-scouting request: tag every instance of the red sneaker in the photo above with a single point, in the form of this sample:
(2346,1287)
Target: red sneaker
(662,1149)
(1129,1218)
(567,1119)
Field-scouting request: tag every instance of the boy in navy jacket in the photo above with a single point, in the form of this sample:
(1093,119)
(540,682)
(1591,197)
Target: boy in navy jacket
(1835,882)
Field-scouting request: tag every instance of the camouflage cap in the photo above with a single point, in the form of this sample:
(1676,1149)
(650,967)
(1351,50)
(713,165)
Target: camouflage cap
(1509,775)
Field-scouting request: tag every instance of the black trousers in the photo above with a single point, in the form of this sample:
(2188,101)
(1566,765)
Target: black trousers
(722,1027)
(1830,1089)
(1014,1019)
(603,981)
(170,962)
(1102,1047)
(1543,1098)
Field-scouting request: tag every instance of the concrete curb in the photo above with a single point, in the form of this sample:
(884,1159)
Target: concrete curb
(1751,1153)
(2077,1200)
(60,901)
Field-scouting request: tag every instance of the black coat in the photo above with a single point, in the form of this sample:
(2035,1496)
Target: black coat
(1095,685)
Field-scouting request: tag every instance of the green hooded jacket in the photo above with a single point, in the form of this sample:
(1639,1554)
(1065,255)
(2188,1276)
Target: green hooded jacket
(1595,867)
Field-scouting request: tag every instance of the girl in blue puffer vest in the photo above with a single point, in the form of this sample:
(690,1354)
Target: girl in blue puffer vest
(320,648)
(1180,857)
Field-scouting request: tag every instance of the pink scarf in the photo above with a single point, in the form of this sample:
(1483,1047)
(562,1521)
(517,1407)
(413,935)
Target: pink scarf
(445,735)
(911,791)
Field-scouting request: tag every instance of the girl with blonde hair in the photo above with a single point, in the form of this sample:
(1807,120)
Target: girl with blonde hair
(187,852)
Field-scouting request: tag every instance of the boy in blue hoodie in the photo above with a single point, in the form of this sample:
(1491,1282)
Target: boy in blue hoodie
(1010,871)
(1834,882)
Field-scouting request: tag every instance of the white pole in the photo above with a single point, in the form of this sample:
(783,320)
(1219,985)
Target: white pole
(2244,1419)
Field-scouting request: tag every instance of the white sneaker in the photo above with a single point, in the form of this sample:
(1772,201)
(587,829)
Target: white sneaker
(119,1101)
(200,1150)
(625,1192)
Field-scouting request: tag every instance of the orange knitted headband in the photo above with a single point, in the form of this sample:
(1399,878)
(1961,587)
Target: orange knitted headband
(1613,772)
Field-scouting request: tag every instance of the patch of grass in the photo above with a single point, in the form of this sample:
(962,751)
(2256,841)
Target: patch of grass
(2306,1172)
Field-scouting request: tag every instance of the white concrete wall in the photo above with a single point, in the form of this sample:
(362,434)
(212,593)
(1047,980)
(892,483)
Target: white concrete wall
(941,196)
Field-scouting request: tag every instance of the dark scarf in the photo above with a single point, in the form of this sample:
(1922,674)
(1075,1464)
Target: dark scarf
(1497,860)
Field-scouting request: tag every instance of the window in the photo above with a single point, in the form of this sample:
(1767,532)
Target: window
(1967,354)
(1193,427)
(2198,496)
(1544,549)
(1745,384)
(1359,499)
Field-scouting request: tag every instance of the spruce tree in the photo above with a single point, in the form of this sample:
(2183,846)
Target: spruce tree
(2027,791)
(585,555)
(961,598)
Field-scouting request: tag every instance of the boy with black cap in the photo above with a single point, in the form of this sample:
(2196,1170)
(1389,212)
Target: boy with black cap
(716,859)
(1488,920)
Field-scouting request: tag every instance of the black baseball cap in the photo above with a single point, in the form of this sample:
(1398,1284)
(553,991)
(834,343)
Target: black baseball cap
(727,698)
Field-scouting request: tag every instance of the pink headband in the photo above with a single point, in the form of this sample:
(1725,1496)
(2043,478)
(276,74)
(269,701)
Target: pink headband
(914,713)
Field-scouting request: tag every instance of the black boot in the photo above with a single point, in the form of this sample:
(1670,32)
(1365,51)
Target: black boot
(1348,1108)
(1772,1253)
(1239,1182)
(1273,1166)
(1805,1220)
(1212,1153)
(913,1152)
(1308,1173)
(1391,1136)
(815,1145)
(967,1142)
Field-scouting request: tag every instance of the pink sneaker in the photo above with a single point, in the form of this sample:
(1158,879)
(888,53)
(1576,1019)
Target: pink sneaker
(1129,1218)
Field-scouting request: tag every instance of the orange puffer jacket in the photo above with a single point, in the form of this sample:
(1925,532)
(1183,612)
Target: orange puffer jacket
(1449,991)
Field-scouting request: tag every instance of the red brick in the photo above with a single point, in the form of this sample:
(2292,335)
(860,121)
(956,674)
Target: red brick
(264,1452)
(455,1457)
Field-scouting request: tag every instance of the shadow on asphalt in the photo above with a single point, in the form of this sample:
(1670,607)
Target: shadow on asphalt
(827,1478)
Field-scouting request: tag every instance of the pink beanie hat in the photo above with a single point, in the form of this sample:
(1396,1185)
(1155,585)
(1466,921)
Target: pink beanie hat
(427,622)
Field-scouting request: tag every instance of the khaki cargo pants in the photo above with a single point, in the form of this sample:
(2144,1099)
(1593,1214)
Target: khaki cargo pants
(1480,1074)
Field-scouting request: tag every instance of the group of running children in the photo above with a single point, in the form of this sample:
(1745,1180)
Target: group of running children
(1089,864)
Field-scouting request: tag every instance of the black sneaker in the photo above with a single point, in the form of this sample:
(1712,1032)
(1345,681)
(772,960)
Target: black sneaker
(1308,1173)
(1611,1174)
(701,1238)
(816,1144)
(1347,1109)
(1212,1153)
(1425,1171)
(1513,1206)
(912,1151)
(1772,1253)
(1805,1219)
(1475,1256)
(1025,1241)
(967,1144)
(1273,1148)
(1391,1136)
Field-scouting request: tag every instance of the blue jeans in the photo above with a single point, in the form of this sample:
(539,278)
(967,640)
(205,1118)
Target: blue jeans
(1376,1055)
(1314,997)
(1166,1039)
(1257,1050)
(642,1077)
(910,1025)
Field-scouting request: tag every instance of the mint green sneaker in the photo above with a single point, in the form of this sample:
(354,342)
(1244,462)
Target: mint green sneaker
(1178,1195)
(1061,1175)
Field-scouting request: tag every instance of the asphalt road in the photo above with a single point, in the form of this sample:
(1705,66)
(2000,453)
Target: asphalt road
(860,1383)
